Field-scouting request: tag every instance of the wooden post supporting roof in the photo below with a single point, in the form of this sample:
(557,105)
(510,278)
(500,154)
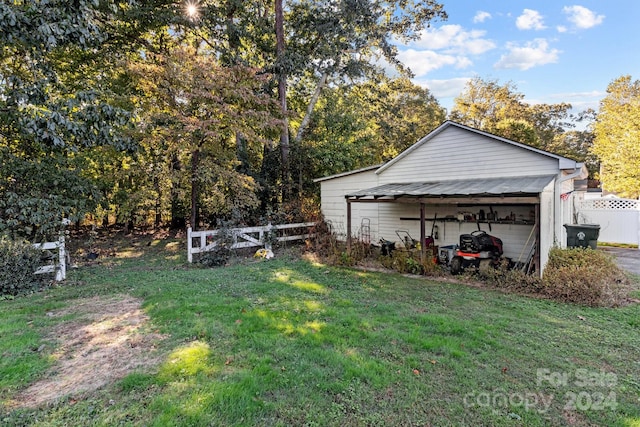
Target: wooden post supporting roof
(423,249)
(348,226)
(536,256)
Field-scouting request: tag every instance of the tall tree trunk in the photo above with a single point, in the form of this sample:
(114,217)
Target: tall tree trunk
(310,107)
(158,217)
(195,159)
(282,96)
(177,206)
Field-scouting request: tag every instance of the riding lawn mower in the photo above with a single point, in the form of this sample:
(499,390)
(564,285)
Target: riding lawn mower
(478,249)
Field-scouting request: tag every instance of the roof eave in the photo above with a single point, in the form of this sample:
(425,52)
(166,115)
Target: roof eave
(352,172)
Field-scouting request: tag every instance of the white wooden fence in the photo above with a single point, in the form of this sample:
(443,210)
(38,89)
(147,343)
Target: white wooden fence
(619,219)
(204,241)
(60,266)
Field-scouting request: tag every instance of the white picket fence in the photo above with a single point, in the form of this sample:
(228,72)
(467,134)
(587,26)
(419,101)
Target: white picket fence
(204,241)
(60,266)
(619,219)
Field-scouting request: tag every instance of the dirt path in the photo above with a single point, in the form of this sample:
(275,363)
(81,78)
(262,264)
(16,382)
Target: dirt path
(106,339)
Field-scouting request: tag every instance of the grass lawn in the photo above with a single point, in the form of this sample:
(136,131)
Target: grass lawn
(292,342)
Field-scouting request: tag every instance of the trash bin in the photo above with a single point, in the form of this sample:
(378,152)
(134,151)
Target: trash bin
(582,235)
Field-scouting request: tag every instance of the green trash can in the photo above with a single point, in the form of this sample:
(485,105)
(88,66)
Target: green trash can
(582,235)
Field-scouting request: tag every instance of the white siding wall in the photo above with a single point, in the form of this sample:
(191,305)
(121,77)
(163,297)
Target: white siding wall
(513,236)
(334,206)
(459,154)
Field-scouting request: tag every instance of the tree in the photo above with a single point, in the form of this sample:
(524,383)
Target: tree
(361,125)
(501,109)
(617,132)
(485,103)
(336,40)
(401,112)
(321,42)
(53,104)
(201,107)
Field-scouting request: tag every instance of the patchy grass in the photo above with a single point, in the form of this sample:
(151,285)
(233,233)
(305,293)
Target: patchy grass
(293,342)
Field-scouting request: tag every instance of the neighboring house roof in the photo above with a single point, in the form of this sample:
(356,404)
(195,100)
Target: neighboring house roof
(564,162)
(460,187)
(353,172)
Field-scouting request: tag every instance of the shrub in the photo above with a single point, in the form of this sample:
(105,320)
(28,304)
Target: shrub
(18,261)
(584,276)
(409,262)
(220,254)
(504,277)
(324,242)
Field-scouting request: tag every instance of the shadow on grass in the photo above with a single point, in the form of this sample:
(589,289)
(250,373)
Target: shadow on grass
(284,342)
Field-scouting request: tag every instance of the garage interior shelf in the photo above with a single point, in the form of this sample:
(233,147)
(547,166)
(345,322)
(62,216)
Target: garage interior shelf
(472,221)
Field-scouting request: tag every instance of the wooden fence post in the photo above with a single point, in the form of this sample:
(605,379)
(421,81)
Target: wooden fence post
(61,271)
(266,238)
(189,246)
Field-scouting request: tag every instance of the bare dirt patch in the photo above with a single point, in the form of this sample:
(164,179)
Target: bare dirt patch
(106,339)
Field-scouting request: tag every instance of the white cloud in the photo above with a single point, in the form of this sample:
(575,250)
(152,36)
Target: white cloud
(594,94)
(422,62)
(453,39)
(481,16)
(445,88)
(581,17)
(532,54)
(561,29)
(530,20)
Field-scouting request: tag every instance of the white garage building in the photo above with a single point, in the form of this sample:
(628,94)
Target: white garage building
(456,180)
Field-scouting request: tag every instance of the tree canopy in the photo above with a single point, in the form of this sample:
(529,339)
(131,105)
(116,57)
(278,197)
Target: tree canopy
(617,137)
(131,110)
(500,109)
(139,113)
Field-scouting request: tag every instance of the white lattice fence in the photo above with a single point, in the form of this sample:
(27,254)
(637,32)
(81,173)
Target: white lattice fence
(619,219)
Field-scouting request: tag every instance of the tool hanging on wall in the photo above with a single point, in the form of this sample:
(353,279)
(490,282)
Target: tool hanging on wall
(434,227)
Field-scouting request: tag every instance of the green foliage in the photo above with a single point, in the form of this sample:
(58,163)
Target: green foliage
(18,261)
(361,125)
(37,193)
(584,276)
(219,254)
(203,111)
(56,101)
(617,132)
(409,261)
(341,39)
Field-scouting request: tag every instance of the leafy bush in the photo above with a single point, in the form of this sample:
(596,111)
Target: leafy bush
(503,277)
(324,242)
(584,276)
(218,255)
(18,261)
(409,262)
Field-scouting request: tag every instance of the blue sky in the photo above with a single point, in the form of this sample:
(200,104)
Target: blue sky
(553,51)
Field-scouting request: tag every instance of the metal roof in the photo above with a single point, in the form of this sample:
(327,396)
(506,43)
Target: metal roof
(460,187)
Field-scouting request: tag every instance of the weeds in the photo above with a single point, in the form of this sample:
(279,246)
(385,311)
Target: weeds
(411,262)
(584,276)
